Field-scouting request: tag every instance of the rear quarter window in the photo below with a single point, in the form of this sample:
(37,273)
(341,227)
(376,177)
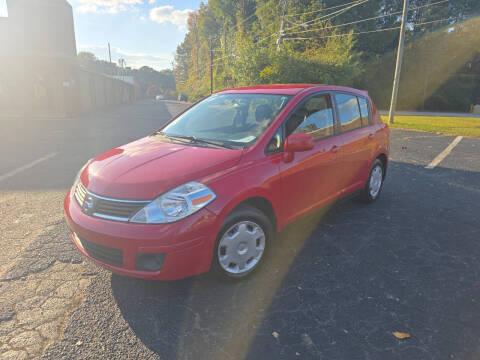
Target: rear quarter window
(365,111)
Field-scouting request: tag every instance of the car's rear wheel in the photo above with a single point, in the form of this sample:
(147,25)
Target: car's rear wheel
(374,185)
(242,243)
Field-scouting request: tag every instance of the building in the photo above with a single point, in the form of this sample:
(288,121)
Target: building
(39,74)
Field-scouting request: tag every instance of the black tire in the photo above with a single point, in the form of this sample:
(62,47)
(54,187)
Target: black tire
(366,195)
(243,213)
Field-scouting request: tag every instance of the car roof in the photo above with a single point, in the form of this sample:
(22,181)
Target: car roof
(288,89)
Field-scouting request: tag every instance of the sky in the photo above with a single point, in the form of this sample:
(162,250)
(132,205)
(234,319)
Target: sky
(3,8)
(143,32)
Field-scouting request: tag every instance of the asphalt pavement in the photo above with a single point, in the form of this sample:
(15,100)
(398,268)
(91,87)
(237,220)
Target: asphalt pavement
(336,285)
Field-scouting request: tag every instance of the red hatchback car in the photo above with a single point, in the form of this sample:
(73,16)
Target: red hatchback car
(211,188)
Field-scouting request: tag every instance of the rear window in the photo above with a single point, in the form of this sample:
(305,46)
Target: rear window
(349,112)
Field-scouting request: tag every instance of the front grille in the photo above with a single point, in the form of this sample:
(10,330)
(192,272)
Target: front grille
(117,209)
(107,208)
(80,193)
(103,253)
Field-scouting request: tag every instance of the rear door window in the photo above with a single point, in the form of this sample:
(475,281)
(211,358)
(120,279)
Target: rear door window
(364,111)
(349,112)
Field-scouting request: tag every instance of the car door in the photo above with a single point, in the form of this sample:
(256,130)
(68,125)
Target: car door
(308,180)
(371,139)
(354,138)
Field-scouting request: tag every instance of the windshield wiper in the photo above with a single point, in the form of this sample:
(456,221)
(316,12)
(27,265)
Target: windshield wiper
(177,137)
(194,139)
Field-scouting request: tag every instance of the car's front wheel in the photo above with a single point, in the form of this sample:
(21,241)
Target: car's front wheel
(242,243)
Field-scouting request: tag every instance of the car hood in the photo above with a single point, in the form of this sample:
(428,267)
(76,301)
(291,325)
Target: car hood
(146,168)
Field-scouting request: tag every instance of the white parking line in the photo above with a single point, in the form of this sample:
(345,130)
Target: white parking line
(444,153)
(27,166)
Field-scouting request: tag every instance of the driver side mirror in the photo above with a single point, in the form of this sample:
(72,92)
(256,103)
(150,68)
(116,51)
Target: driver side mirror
(296,143)
(299,142)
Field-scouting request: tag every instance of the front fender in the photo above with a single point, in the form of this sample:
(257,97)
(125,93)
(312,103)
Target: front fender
(254,179)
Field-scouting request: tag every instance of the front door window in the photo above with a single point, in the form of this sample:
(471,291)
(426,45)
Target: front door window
(314,117)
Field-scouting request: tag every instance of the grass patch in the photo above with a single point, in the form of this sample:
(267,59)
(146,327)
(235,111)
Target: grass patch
(439,124)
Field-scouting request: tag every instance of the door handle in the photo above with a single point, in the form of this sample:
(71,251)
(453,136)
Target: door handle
(334,149)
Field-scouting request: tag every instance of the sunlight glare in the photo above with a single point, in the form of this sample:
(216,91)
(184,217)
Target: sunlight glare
(3,8)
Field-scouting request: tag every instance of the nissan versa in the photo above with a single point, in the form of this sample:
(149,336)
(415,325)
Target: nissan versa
(212,187)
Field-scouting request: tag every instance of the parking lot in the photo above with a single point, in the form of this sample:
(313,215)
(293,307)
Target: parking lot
(336,285)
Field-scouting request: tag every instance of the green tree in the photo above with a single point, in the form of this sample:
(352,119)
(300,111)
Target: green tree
(320,42)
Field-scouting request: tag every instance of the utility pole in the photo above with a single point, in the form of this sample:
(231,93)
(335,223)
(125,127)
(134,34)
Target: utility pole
(280,33)
(109,53)
(398,66)
(211,66)
(123,65)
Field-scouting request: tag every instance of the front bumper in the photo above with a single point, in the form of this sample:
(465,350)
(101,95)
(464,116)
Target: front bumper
(187,244)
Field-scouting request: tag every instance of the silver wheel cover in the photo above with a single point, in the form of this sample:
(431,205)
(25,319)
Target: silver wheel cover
(376,179)
(241,247)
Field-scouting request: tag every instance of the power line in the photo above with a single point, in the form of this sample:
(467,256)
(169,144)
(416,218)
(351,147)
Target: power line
(349,23)
(236,25)
(355,3)
(369,19)
(257,43)
(265,38)
(346,7)
(217,60)
(232,54)
(369,32)
(355,22)
(427,5)
(340,12)
(244,20)
(364,20)
(320,10)
(331,15)
(340,35)
(435,21)
(254,35)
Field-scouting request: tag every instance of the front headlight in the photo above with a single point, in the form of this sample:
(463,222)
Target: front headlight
(175,204)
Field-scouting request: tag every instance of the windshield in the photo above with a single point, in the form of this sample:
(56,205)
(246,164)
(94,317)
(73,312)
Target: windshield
(234,119)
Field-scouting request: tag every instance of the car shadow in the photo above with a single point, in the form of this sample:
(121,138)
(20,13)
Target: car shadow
(336,284)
